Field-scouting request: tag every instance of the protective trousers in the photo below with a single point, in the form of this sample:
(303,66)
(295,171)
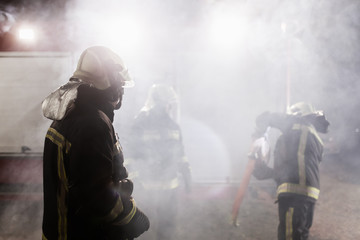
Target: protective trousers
(295,218)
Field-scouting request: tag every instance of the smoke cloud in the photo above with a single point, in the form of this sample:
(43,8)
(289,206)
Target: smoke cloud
(228,61)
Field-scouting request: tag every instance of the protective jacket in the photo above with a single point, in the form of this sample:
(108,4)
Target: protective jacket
(297,155)
(158,157)
(84,176)
(161,157)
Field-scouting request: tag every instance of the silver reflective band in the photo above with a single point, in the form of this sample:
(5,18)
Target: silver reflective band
(298,189)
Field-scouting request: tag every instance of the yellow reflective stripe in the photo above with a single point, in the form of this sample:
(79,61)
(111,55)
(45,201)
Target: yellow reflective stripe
(58,139)
(62,216)
(184,159)
(55,137)
(43,237)
(301,150)
(174,134)
(289,223)
(301,155)
(150,135)
(61,198)
(61,169)
(61,143)
(114,213)
(298,189)
(314,132)
(128,217)
(296,127)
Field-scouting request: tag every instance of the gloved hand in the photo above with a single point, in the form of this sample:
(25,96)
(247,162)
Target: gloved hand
(260,152)
(133,229)
(137,226)
(262,171)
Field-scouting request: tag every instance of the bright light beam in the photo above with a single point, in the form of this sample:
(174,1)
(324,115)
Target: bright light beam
(123,31)
(27,34)
(226,28)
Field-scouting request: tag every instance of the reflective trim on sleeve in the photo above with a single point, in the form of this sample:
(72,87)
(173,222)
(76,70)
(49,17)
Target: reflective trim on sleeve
(62,196)
(298,189)
(312,131)
(155,135)
(184,159)
(43,237)
(128,217)
(174,134)
(301,155)
(58,139)
(62,193)
(289,224)
(305,130)
(151,135)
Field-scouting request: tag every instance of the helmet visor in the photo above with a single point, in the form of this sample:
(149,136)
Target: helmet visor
(122,77)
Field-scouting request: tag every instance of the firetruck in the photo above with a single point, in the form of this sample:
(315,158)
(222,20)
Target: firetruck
(26,78)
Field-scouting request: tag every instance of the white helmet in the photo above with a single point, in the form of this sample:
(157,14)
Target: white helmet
(160,95)
(98,66)
(316,117)
(102,68)
(302,109)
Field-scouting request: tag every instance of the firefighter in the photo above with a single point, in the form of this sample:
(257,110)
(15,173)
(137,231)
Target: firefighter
(86,191)
(297,155)
(157,156)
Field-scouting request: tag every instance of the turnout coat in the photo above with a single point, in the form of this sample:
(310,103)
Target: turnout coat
(297,155)
(84,177)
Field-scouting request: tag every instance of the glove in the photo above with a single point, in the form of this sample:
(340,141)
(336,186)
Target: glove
(137,226)
(133,229)
(260,152)
(262,171)
(125,187)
